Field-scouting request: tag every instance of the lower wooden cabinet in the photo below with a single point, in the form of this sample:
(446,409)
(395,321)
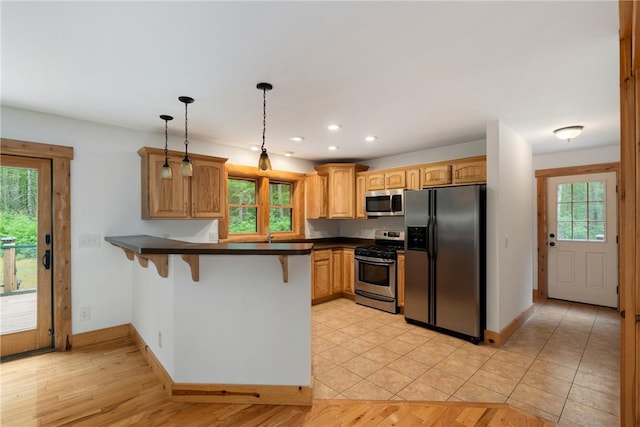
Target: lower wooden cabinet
(332,273)
(400,279)
(348,270)
(321,274)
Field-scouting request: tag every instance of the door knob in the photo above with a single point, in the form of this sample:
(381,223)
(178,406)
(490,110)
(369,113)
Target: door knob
(552,243)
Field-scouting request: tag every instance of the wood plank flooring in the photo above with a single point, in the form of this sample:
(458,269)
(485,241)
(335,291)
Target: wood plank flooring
(111,384)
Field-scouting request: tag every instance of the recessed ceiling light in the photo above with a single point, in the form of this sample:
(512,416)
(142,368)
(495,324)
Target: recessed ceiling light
(296,138)
(333,147)
(334,127)
(288,153)
(254,147)
(370,138)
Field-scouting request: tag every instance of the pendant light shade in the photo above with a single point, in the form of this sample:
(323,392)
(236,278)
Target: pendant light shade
(186,169)
(264,163)
(568,133)
(165,172)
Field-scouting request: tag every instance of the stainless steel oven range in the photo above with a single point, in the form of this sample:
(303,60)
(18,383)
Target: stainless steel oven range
(375,275)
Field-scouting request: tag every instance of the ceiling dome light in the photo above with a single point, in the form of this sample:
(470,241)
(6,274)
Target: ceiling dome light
(254,147)
(296,138)
(370,138)
(334,127)
(288,153)
(568,133)
(333,147)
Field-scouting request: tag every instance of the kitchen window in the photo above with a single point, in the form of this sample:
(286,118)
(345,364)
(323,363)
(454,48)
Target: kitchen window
(263,203)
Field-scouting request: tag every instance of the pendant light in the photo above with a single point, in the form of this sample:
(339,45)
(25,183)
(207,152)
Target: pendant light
(186,169)
(264,163)
(165,172)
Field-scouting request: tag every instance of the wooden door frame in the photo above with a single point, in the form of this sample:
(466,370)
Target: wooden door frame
(60,157)
(542,176)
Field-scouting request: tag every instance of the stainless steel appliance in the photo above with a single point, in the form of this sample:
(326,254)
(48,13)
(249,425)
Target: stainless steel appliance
(384,202)
(375,271)
(445,274)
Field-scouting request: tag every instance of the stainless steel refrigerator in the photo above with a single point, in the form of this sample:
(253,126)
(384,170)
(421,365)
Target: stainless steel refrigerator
(445,271)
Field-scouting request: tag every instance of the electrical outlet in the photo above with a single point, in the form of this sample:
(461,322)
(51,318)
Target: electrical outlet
(159,339)
(85,314)
(213,236)
(89,240)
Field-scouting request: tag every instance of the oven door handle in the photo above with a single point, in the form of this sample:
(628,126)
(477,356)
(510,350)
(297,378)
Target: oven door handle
(375,261)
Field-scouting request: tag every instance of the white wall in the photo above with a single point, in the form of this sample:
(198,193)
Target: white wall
(458,151)
(509,224)
(561,160)
(105,200)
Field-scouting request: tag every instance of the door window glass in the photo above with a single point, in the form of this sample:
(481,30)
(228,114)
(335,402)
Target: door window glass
(581,211)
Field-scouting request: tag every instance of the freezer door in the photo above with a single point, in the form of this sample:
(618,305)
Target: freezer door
(457,255)
(416,290)
(416,261)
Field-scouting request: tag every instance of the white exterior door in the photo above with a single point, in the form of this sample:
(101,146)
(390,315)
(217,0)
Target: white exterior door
(582,219)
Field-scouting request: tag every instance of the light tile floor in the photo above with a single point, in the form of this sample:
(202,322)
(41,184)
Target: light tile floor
(562,364)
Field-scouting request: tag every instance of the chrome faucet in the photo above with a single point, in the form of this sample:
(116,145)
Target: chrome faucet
(269,238)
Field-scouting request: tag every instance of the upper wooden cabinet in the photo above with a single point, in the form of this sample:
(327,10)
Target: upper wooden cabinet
(413,179)
(385,180)
(341,189)
(436,175)
(317,194)
(361,185)
(202,195)
(471,170)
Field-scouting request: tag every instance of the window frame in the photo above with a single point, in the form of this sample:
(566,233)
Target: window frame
(263,178)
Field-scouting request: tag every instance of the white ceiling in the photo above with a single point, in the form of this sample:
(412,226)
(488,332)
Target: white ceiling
(415,74)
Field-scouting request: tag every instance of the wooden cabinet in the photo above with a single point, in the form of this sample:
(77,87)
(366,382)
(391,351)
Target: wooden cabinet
(436,175)
(360,189)
(337,271)
(384,180)
(341,189)
(400,279)
(321,274)
(470,171)
(348,270)
(332,273)
(413,179)
(202,195)
(208,188)
(316,188)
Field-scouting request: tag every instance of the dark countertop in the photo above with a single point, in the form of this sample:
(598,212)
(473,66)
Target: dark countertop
(150,245)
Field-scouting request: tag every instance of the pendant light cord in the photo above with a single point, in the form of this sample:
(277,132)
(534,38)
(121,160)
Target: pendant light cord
(264,116)
(166,139)
(186,139)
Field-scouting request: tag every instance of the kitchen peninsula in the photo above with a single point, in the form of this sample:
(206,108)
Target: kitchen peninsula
(226,322)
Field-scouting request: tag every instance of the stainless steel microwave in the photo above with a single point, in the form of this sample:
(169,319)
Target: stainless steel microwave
(384,202)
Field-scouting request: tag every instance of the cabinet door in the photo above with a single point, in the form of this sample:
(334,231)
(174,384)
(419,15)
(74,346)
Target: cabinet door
(395,179)
(337,271)
(341,192)
(348,267)
(375,181)
(316,195)
(436,175)
(413,179)
(400,279)
(360,189)
(163,198)
(321,274)
(466,172)
(208,198)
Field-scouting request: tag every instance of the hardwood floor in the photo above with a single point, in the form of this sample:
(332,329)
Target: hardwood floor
(111,384)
